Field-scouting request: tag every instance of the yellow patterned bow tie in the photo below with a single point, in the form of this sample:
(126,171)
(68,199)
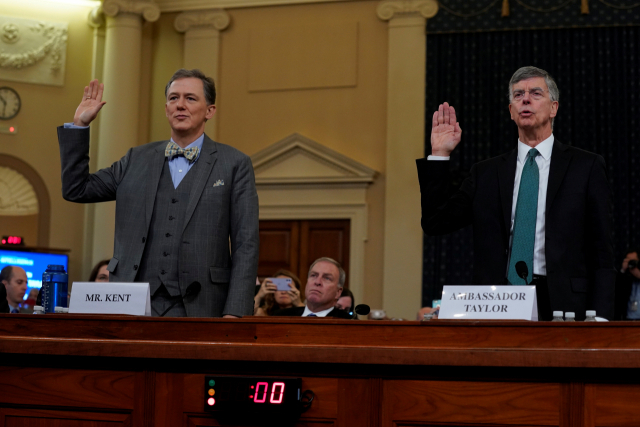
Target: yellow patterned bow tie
(174,150)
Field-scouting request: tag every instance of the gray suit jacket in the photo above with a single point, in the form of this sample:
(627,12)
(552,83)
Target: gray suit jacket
(219,242)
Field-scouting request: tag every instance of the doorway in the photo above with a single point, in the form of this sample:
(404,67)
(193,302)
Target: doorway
(295,244)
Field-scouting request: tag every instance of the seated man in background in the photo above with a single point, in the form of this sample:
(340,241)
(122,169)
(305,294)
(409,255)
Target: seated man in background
(346,302)
(324,286)
(628,288)
(14,280)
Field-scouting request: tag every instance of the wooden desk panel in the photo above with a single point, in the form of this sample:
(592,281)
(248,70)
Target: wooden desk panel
(471,402)
(149,372)
(617,405)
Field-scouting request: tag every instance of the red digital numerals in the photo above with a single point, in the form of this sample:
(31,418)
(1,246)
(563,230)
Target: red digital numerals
(12,240)
(262,390)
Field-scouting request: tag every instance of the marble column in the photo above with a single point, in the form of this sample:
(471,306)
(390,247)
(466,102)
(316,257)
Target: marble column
(403,235)
(202,45)
(118,127)
(97,21)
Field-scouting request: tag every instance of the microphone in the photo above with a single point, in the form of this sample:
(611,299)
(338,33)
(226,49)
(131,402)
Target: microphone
(362,309)
(192,291)
(523,271)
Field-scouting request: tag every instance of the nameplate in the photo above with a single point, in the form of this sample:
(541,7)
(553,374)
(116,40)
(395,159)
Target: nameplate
(110,298)
(489,302)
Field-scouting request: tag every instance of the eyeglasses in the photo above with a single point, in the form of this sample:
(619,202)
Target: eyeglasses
(535,93)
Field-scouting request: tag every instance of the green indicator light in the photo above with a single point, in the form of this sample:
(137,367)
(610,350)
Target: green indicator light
(212,383)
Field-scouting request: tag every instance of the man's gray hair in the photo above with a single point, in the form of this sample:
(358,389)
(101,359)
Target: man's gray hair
(343,276)
(530,72)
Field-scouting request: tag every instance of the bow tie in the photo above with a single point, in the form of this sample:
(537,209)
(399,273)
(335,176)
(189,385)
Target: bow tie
(174,150)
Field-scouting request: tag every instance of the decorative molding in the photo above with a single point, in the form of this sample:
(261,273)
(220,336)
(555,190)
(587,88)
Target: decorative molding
(322,165)
(391,8)
(55,39)
(17,196)
(95,18)
(25,44)
(147,8)
(213,18)
(10,33)
(185,5)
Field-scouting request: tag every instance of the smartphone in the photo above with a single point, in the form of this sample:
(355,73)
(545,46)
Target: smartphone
(282,284)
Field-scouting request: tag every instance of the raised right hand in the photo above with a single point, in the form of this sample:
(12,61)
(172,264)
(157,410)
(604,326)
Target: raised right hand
(445,131)
(267,287)
(90,105)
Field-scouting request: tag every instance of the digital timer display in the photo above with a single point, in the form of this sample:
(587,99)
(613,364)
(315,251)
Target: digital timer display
(12,240)
(261,395)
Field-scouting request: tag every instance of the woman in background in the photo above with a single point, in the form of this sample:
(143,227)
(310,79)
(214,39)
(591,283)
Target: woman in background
(269,299)
(100,272)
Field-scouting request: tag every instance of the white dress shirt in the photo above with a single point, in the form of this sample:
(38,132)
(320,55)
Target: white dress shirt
(544,161)
(322,313)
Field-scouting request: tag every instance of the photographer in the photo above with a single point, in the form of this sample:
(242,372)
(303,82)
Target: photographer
(628,288)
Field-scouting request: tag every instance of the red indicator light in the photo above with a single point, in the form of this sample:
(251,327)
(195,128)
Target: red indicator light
(251,396)
(211,401)
(4,242)
(264,395)
(252,387)
(12,129)
(277,395)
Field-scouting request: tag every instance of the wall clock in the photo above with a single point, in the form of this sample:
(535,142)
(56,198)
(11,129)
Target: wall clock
(9,103)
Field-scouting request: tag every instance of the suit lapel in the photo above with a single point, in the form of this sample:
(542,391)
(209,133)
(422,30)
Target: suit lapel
(157,163)
(560,160)
(207,159)
(506,177)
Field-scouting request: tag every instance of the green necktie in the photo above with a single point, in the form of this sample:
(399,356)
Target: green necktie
(524,227)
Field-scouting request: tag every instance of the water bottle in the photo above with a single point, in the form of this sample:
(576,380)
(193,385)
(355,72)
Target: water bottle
(557,316)
(55,288)
(591,316)
(569,316)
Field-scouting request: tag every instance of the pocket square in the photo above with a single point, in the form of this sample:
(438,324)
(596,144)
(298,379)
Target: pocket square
(218,183)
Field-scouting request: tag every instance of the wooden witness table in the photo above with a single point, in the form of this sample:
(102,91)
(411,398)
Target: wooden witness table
(80,370)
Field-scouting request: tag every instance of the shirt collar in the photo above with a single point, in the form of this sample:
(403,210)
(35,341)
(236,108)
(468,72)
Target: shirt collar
(322,313)
(11,308)
(544,148)
(197,143)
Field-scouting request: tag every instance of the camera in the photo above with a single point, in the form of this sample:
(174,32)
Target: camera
(632,264)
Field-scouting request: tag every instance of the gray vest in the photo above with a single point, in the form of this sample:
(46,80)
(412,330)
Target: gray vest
(159,263)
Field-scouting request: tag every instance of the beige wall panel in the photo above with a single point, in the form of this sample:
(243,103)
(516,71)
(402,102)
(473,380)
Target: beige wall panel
(350,120)
(25,226)
(46,107)
(167,58)
(303,57)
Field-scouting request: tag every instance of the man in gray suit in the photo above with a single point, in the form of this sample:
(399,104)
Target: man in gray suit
(186,209)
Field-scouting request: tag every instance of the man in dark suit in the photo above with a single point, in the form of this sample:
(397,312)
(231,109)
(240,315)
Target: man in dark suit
(14,284)
(545,203)
(324,286)
(186,209)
